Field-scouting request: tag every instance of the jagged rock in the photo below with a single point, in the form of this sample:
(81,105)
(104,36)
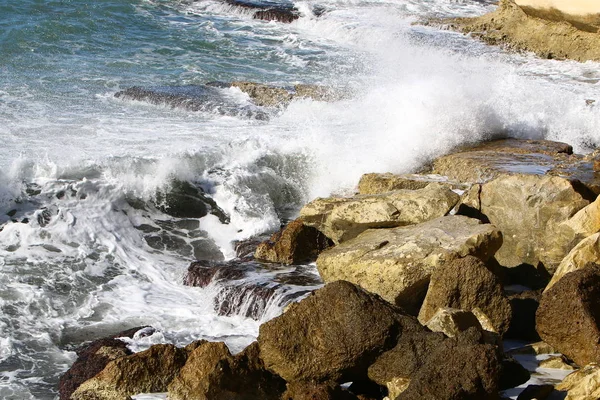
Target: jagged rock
(268,11)
(586,251)
(397,263)
(583,384)
(536,392)
(557,362)
(467,284)
(91,359)
(406,357)
(149,371)
(212,373)
(524,306)
(332,335)
(264,95)
(457,369)
(569,314)
(184,200)
(341,219)
(316,391)
(375,183)
(452,321)
(295,243)
(546,32)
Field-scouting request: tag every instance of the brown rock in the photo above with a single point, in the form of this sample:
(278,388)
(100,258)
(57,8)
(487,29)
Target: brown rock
(91,359)
(467,284)
(316,391)
(332,335)
(149,371)
(212,373)
(375,183)
(295,243)
(569,314)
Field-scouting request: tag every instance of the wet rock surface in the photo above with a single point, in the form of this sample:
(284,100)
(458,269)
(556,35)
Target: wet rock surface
(269,11)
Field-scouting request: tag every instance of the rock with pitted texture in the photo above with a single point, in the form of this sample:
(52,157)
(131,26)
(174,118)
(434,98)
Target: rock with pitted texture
(587,251)
(333,335)
(397,263)
(583,384)
(376,183)
(467,284)
(452,321)
(568,317)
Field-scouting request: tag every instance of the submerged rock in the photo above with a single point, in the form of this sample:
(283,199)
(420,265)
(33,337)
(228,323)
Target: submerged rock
(547,32)
(332,335)
(268,11)
(467,284)
(341,218)
(294,243)
(397,263)
(569,315)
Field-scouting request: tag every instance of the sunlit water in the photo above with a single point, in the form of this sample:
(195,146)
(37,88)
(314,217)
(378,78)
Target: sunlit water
(71,148)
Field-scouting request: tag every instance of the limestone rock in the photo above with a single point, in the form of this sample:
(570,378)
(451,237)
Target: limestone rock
(586,251)
(212,373)
(91,359)
(341,219)
(376,183)
(396,386)
(451,321)
(547,32)
(556,362)
(467,284)
(295,243)
(456,370)
(332,335)
(264,95)
(569,314)
(583,384)
(397,263)
(145,372)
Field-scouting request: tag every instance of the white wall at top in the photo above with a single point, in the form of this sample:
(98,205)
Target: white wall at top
(567,6)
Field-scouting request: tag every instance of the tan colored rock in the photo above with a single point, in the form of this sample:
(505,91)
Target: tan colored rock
(294,243)
(376,183)
(587,251)
(396,386)
(536,348)
(149,371)
(316,92)
(397,263)
(556,362)
(577,7)
(548,33)
(451,321)
(467,284)
(569,314)
(583,384)
(342,219)
(264,95)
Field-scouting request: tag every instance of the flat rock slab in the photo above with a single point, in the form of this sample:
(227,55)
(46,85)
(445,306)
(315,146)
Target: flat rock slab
(375,183)
(397,263)
(486,161)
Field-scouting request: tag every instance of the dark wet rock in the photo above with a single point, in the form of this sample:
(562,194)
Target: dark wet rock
(147,228)
(334,334)
(524,305)
(164,241)
(268,10)
(184,200)
(316,391)
(457,369)
(11,213)
(91,359)
(512,374)
(568,317)
(202,273)
(536,392)
(293,244)
(206,249)
(467,284)
(45,216)
(245,249)
(192,98)
(149,371)
(212,373)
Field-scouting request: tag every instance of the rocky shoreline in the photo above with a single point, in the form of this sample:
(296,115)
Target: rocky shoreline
(425,276)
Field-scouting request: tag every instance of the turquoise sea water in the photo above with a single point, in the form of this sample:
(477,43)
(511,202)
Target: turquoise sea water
(73,265)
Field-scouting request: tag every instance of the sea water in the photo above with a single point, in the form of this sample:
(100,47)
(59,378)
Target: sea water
(75,159)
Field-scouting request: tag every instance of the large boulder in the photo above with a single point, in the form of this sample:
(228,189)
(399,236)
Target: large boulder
(587,251)
(397,263)
(332,335)
(341,218)
(457,369)
(145,372)
(467,284)
(583,384)
(92,358)
(568,317)
(294,243)
(212,373)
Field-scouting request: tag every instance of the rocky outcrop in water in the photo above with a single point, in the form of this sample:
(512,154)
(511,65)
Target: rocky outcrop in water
(397,263)
(344,218)
(546,32)
(268,11)
(569,314)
